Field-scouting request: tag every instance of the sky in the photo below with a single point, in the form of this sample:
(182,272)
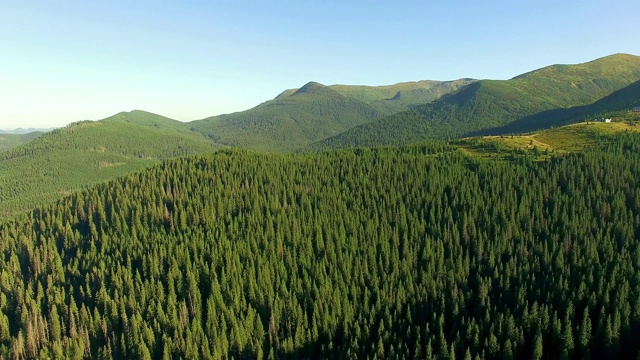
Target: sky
(65,61)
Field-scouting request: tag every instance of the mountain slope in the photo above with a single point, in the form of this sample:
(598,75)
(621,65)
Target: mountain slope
(620,100)
(577,137)
(10,140)
(88,152)
(389,99)
(22,131)
(309,114)
(493,103)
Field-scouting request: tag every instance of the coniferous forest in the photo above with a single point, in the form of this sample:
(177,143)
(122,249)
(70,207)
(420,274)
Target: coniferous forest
(411,252)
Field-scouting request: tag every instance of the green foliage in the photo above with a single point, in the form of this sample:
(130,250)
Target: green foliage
(84,153)
(299,117)
(407,252)
(559,140)
(528,102)
(10,141)
(390,99)
(314,112)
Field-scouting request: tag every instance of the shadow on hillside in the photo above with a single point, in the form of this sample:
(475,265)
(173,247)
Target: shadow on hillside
(622,99)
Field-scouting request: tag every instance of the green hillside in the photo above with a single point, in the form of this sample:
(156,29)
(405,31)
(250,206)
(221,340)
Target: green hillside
(619,101)
(492,104)
(546,143)
(88,152)
(9,141)
(287,123)
(389,99)
(409,252)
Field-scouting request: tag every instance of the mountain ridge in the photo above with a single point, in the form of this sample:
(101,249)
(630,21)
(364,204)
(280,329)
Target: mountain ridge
(489,104)
(288,123)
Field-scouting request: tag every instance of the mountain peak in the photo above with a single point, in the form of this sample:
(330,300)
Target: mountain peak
(313,87)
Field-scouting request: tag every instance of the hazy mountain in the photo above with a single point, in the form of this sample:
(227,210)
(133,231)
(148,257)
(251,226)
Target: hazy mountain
(21,131)
(9,141)
(87,152)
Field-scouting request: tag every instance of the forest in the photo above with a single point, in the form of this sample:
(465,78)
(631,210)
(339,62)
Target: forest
(417,251)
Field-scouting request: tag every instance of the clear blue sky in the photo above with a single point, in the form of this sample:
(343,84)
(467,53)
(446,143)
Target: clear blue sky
(63,61)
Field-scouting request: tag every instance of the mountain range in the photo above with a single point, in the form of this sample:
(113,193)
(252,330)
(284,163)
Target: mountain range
(519,104)
(38,167)
(22,131)
(316,116)
(299,117)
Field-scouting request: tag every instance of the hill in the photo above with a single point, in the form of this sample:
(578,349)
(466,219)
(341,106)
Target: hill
(89,152)
(576,137)
(520,103)
(407,252)
(287,123)
(10,140)
(619,101)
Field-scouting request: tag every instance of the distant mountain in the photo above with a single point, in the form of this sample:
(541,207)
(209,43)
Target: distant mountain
(9,141)
(299,117)
(89,152)
(402,96)
(389,99)
(21,131)
(492,104)
(289,122)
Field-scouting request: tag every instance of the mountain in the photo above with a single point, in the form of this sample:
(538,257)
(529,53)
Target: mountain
(21,131)
(577,137)
(84,153)
(392,253)
(11,140)
(89,152)
(287,123)
(620,100)
(488,104)
(389,99)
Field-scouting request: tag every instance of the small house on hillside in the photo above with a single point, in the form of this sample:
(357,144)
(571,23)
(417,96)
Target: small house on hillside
(606,120)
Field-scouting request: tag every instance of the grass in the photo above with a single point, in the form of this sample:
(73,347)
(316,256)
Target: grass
(569,138)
